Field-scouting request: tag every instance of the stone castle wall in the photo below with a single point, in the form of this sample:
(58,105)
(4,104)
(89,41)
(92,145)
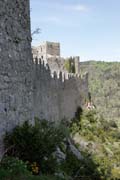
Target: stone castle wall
(15,64)
(57,97)
(28,88)
(49,52)
(56,64)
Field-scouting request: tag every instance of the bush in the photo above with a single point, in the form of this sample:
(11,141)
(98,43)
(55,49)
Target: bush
(80,169)
(36,144)
(14,165)
(71,164)
(12,168)
(15,169)
(104,136)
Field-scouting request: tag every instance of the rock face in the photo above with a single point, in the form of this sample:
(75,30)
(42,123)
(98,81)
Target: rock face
(15,64)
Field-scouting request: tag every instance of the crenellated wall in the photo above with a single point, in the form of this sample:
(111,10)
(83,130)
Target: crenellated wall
(27,87)
(59,96)
(50,53)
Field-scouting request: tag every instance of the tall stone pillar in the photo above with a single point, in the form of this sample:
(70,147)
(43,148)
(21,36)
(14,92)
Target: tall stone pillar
(15,64)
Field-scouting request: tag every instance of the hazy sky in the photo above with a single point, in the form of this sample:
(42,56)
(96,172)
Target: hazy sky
(88,28)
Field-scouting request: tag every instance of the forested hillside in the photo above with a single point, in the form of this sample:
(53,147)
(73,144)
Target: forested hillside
(104,86)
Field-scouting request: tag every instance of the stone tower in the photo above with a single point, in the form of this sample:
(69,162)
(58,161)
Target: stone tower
(47,50)
(15,64)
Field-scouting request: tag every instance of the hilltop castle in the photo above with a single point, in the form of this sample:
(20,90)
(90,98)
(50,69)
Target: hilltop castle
(32,85)
(49,52)
(57,93)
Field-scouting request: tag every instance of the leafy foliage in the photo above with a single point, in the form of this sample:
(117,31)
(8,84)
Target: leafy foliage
(100,140)
(83,169)
(104,85)
(70,65)
(36,144)
(14,169)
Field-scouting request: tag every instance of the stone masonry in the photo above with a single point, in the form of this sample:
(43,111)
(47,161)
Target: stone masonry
(49,52)
(27,87)
(57,97)
(15,64)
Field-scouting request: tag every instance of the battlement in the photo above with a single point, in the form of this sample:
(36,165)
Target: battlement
(41,66)
(50,53)
(31,86)
(57,94)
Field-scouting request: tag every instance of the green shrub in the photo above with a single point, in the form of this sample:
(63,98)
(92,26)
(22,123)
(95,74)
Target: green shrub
(104,138)
(14,165)
(36,144)
(13,169)
(70,65)
(84,168)
(71,164)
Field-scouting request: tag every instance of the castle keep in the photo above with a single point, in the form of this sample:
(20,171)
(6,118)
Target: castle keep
(49,52)
(29,86)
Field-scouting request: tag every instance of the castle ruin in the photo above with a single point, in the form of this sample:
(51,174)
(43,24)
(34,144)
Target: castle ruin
(49,52)
(27,86)
(57,93)
(57,97)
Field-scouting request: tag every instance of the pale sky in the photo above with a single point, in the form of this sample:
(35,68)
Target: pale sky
(88,28)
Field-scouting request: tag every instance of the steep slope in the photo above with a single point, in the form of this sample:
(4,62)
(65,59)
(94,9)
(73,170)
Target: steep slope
(104,86)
